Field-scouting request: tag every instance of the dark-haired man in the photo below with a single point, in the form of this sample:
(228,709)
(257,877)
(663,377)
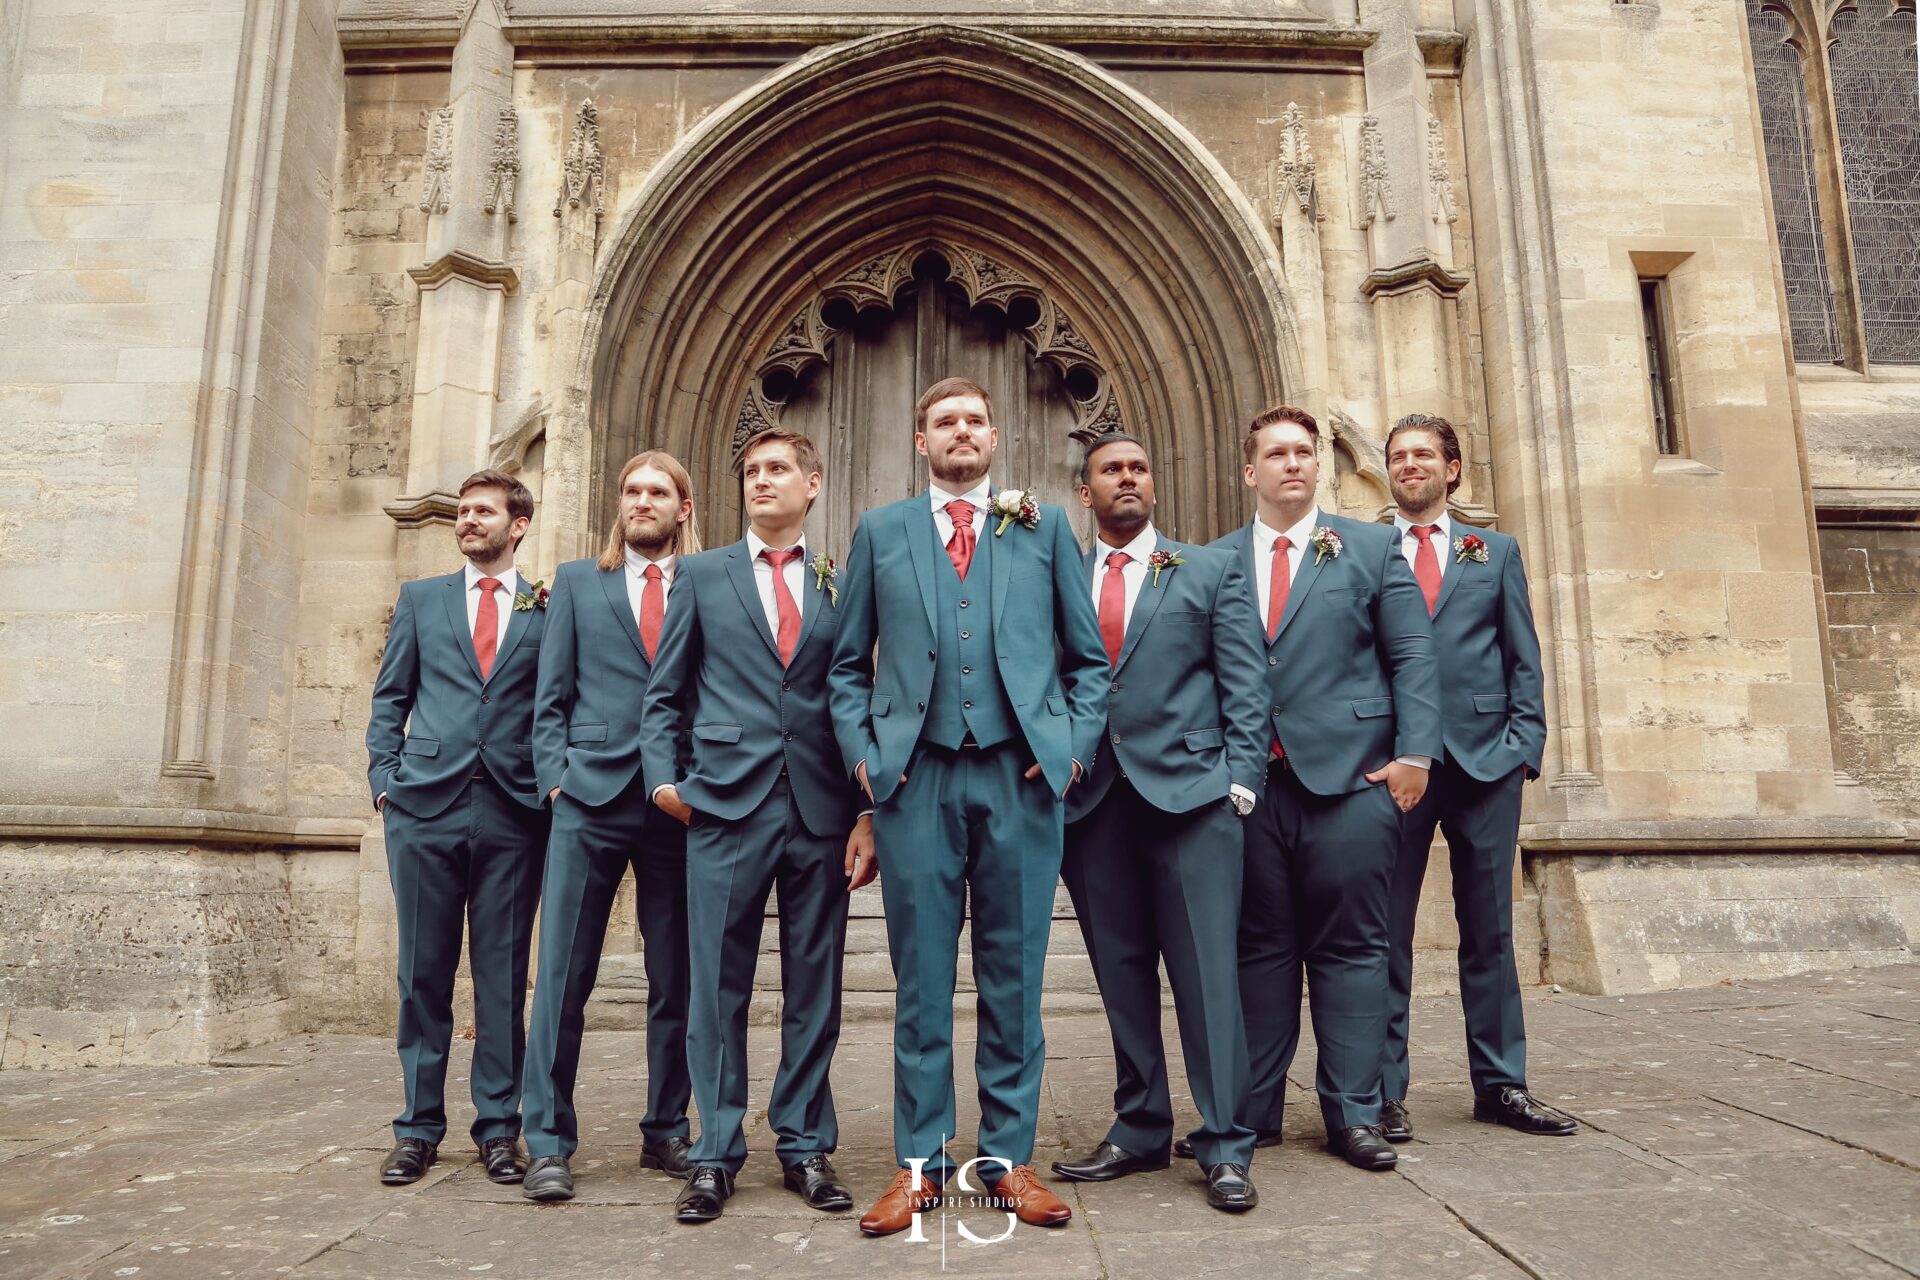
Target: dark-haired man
(1353,691)
(985,705)
(451,770)
(1475,588)
(1153,845)
(739,745)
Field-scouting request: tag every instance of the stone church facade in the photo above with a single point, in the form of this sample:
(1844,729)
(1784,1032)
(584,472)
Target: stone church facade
(275,276)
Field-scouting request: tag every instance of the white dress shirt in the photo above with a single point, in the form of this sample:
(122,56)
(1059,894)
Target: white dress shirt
(980,495)
(794,572)
(637,580)
(502,597)
(1442,541)
(1301,536)
(1134,574)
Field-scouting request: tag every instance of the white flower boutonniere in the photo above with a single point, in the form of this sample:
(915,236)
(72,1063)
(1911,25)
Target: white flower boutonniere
(1011,505)
(1326,543)
(826,576)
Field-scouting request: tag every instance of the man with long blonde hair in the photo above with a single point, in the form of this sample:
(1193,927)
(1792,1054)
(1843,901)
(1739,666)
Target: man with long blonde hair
(603,627)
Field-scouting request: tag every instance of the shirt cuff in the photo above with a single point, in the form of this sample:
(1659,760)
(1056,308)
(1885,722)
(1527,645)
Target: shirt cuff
(1235,789)
(1418,762)
(864,813)
(654,795)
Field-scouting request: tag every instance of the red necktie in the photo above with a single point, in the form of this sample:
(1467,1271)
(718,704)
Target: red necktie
(653,607)
(1426,565)
(1113,605)
(1277,588)
(1277,603)
(960,545)
(486,626)
(789,633)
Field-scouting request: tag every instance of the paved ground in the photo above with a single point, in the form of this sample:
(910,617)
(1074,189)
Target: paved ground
(1755,1130)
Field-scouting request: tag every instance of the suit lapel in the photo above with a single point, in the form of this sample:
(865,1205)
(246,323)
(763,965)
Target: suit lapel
(923,535)
(1001,573)
(614,584)
(812,599)
(518,620)
(1450,575)
(1148,604)
(456,598)
(1303,582)
(740,572)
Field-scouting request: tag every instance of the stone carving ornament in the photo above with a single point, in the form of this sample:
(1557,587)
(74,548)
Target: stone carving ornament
(1051,335)
(1439,181)
(1376,184)
(1292,175)
(583,173)
(503,171)
(439,171)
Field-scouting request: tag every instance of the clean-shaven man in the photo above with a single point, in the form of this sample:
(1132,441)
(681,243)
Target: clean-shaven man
(1494,708)
(1154,840)
(603,633)
(985,706)
(452,775)
(739,745)
(1353,689)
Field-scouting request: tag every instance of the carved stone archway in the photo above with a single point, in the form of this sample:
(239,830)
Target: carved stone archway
(1105,210)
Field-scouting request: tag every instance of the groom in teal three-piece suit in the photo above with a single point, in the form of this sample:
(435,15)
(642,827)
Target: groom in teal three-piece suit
(986,704)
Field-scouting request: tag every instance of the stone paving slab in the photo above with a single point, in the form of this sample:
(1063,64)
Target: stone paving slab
(1743,1130)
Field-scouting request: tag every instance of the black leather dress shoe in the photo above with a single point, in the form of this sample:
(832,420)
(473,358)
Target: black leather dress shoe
(705,1194)
(548,1178)
(1517,1109)
(1183,1147)
(1395,1124)
(1363,1148)
(502,1160)
(669,1156)
(408,1161)
(1107,1163)
(1230,1187)
(817,1184)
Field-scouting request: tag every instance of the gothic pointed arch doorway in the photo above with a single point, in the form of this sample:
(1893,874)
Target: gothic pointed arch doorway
(951,196)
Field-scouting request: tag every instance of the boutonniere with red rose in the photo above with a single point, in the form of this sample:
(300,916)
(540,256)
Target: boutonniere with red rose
(1326,544)
(1011,505)
(1470,546)
(535,597)
(826,576)
(1163,560)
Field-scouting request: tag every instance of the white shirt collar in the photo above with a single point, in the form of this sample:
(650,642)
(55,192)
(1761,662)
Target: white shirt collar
(637,564)
(755,545)
(1445,522)
(1136,551)
(510,579)
(979,495)
(1264,536)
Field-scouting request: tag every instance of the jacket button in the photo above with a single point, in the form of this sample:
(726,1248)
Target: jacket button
(966,671)
(932,654)
(1273,662)
(1113,688)
(789,737)
(922,706)
(480,746)
(966,635)
(485,699)
(786,686)
(1277,710)
(1116,737)
(963,604)
(968,704)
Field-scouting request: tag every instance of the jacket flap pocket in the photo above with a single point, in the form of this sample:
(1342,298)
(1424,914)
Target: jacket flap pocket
(420,747)
(1056,704)
(717,732)
(1368,708)
(878,704)
(586,732)
(1206,739)
(1489,702)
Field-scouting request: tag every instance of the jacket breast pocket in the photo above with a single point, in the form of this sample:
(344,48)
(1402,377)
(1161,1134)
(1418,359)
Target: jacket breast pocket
(1490,703)
(586,732)
(420,747)
(717,732)
(1056,704)
(1372,708)
(878,703)
(1186,617)
(1205,739)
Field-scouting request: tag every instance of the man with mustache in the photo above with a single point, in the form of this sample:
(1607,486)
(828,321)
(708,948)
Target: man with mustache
(985,706)
(452,776)
(1154,841)
(1491,699)
(602,637)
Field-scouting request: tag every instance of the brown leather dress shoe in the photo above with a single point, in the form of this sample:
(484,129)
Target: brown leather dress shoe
(1028,1197)
(909,1193)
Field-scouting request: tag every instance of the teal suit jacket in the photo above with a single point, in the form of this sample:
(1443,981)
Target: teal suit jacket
(434,720)
(1185,708)
(1047,638)
(1352,673)
(1491,696)
(720,697)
